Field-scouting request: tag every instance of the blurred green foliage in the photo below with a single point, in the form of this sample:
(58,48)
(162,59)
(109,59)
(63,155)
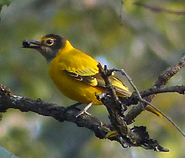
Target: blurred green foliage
(4,2)
(145,45)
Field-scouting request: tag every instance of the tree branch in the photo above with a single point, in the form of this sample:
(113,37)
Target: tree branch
(136,136)
(116,106)
(9,100)
(139,135)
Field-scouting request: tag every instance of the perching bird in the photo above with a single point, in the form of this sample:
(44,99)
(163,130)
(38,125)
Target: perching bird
(75,73)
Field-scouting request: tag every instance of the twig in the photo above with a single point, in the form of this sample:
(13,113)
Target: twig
(155,90)
(121,13)
(159,9)
(105,73)
(165,76)
(165,116)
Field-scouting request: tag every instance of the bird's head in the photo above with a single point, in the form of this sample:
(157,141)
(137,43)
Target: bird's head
(48,45)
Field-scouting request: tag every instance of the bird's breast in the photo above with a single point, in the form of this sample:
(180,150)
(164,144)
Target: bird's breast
(70,87)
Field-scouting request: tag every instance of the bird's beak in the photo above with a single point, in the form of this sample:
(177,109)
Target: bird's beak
(31,44)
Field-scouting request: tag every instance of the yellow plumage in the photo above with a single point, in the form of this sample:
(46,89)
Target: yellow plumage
(69,71)
(75,73)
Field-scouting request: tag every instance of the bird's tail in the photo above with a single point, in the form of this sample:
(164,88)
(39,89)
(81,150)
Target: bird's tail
(151,109)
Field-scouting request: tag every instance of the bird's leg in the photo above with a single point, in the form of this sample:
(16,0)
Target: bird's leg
(85,110)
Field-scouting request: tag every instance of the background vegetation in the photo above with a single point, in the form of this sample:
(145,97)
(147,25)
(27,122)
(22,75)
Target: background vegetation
(146,44)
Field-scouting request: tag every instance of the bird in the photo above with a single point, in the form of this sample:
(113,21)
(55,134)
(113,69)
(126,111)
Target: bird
(75,73)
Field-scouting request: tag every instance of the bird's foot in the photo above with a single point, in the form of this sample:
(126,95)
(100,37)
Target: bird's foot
(85,110)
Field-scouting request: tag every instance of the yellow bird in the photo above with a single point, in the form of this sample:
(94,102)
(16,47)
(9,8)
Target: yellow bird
(75,73)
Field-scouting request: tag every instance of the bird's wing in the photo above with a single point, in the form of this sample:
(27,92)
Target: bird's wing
(97,80)
(80,66)
(118,85)
(78,75)
(84,68)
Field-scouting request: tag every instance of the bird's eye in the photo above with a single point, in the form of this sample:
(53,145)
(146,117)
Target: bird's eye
(50,42)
